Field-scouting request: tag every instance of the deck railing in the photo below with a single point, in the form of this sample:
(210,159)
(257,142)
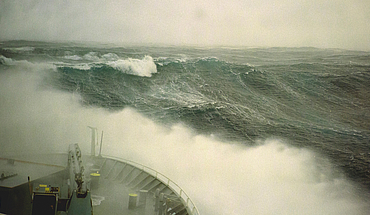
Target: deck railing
(165,180)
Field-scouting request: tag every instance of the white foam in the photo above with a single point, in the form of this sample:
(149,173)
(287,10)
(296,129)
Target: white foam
(73,57)
(110,57)
(24,64)
(182,60)
(91,56)
(5,60)
(145,67)
(82,66)
(20,49)
(209,59)
(79,66)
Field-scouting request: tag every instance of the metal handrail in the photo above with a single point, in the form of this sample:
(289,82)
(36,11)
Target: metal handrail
(165,180)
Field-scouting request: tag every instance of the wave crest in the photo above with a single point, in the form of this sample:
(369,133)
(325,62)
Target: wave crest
(20,49)
(145,67)
(5,60)
(92,56)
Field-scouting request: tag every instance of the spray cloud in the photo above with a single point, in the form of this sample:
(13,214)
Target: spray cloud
(221,178)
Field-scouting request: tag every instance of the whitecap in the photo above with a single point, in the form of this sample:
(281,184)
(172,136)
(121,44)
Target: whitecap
(83,66)
(73,57)
(110,57)
(91,56)
(20,49)
(5,60)
(145,67)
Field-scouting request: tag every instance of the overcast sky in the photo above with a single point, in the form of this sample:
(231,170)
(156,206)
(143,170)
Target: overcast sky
(318,23)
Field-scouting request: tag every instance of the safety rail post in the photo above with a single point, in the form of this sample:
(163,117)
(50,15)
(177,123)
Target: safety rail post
(156,174)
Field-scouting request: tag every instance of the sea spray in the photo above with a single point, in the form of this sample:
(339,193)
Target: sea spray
(220,177)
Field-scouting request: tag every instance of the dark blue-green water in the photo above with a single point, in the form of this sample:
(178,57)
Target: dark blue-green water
(316,99)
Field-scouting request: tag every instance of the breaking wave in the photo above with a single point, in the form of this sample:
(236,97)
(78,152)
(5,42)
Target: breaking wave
(5,60)
(144,67)
(20,49)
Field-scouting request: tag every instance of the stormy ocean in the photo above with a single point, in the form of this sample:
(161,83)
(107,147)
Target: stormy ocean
(244,130)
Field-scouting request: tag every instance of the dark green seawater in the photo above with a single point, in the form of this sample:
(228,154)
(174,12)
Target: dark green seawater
(311,98)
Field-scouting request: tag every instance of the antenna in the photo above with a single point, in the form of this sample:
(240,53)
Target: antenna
(101,144)
(93,140)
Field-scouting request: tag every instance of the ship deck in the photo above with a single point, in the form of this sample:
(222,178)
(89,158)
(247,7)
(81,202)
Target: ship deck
(114,183)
